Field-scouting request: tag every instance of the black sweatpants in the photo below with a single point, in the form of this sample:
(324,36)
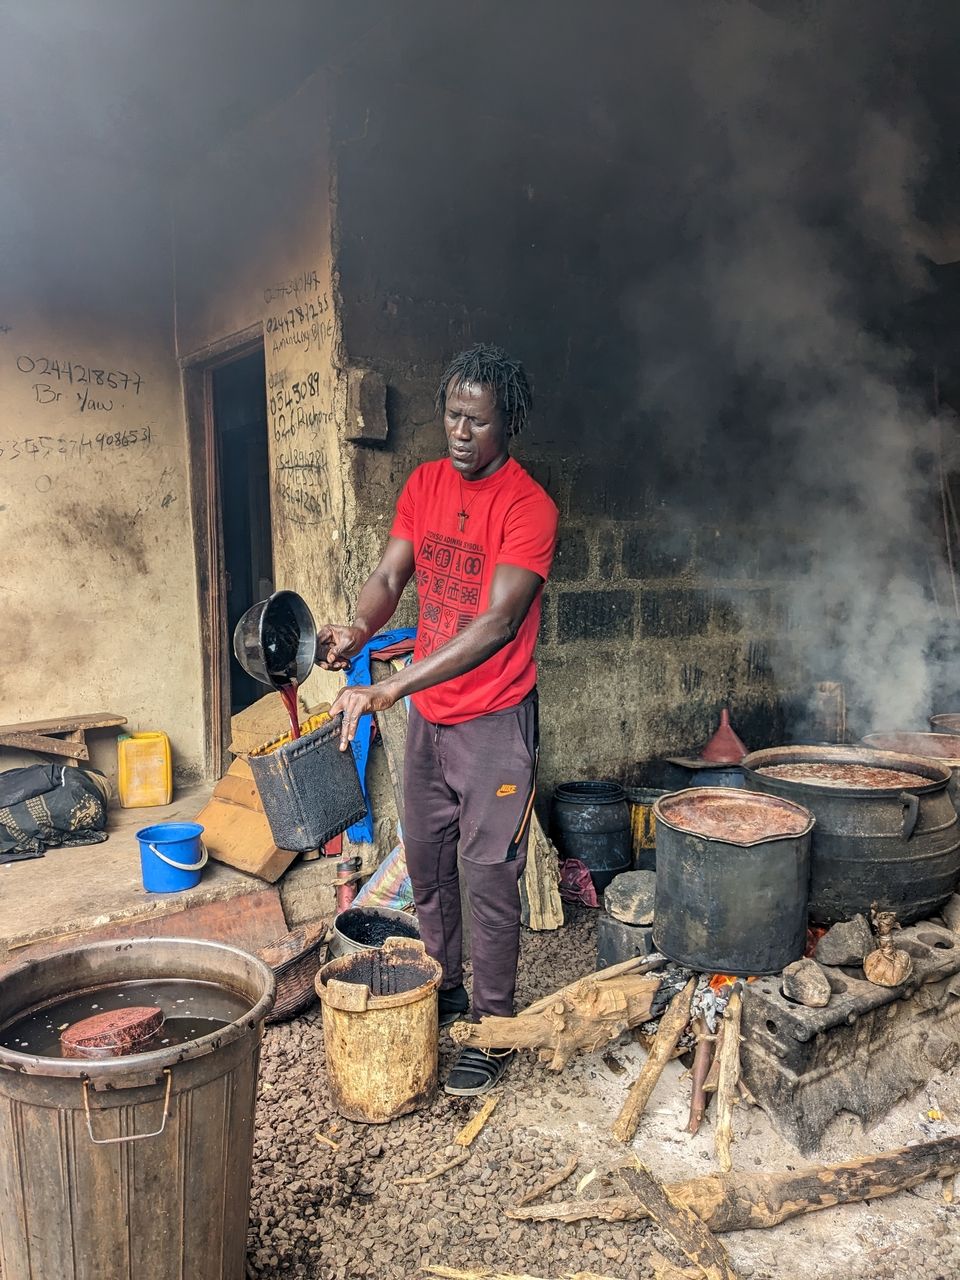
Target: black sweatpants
(468,796)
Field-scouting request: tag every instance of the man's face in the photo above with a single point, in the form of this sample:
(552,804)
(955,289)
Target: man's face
(476,431)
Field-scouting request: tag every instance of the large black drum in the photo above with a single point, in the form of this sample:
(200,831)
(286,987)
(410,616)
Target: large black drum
(733,873)
(886,832)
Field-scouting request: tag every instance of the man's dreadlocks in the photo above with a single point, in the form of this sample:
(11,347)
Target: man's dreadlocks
(488,366)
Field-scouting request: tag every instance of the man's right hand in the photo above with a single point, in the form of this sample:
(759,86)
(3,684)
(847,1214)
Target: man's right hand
(337,645)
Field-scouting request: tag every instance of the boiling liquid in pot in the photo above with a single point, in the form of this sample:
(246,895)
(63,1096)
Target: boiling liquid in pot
(828,774)
(191,1010)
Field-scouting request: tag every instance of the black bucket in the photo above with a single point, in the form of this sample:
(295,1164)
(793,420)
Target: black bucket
(591,822)
(309,788)
(366,928)
(734,900)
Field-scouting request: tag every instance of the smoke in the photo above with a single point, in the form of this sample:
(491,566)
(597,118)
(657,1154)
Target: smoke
(787,403)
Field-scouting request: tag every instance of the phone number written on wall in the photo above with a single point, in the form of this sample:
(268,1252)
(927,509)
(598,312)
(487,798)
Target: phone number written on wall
(82,446)
(79,374)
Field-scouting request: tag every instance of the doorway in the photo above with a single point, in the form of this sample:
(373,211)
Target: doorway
(226,401)
(240,427)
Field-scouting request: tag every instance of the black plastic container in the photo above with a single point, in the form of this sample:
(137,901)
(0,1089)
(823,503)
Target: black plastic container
(618,941)
(309,788)
(731,905)
(591,822)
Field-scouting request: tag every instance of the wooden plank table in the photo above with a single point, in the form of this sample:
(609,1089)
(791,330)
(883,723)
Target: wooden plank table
(62,736)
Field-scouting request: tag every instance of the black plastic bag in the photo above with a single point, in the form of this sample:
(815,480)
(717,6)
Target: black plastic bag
(46,805)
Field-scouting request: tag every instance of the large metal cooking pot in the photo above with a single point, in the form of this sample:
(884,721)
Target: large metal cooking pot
(733,874)
(944,748)
(949,722)
(276,640)
(896,846)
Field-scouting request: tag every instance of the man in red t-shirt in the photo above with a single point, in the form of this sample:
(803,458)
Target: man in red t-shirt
(479,534)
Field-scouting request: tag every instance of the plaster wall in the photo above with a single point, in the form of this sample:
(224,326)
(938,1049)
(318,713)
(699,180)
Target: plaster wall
(253,251)
(98,595)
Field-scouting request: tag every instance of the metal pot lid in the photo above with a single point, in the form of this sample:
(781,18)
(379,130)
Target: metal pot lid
(937,775)
(732,816)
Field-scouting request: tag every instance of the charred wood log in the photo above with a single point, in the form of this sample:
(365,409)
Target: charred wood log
(684,1227)
(745,1201)
(584,1015)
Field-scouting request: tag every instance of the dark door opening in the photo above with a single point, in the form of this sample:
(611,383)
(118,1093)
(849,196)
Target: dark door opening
(240,430)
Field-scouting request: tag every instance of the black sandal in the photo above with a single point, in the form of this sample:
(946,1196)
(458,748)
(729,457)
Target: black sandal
(477,1071)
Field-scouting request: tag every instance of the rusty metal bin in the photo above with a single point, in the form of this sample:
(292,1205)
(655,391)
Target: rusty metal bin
(135,1167)
(380,1030)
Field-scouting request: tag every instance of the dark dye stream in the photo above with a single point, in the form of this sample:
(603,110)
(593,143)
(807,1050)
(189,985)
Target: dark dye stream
(288,694)
(191,1010)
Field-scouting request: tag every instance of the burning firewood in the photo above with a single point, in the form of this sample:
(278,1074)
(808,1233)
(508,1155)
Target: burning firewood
(702,1060)
(729,1055)
(745,1201)
(584,1015)
(672,1026)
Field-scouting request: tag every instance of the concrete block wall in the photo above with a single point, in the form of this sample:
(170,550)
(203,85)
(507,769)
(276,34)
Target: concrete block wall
(643,641)
(652,620)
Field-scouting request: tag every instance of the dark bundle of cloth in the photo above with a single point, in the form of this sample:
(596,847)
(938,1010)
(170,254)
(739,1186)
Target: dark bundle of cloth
(45,805)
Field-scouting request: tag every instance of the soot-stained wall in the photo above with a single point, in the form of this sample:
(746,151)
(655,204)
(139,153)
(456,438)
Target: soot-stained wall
(693,225)
(518,222)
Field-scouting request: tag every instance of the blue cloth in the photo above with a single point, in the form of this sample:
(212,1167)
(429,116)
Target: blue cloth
(358,672)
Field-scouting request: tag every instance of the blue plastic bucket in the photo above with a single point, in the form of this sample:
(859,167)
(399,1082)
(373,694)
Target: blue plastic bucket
(172,856)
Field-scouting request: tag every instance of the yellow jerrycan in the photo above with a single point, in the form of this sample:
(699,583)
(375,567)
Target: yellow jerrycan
(145,775)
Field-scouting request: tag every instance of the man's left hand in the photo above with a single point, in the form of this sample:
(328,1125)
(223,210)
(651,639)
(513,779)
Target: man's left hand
(356,701)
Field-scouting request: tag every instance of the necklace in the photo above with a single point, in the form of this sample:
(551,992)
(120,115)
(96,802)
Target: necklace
(463,514)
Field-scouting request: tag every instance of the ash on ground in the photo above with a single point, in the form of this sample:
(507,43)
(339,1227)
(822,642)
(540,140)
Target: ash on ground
(324,1212)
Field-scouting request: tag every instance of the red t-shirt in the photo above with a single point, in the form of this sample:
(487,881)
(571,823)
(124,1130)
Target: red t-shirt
(510,520)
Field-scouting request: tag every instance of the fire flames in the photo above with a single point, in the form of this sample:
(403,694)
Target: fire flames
(721,980)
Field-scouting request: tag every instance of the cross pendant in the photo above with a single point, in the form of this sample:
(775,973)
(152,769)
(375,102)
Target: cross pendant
(461,520)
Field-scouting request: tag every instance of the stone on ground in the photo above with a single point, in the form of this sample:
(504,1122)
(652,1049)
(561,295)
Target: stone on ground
(951,913)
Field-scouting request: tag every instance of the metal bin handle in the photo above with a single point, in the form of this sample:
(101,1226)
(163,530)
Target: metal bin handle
(133,1137)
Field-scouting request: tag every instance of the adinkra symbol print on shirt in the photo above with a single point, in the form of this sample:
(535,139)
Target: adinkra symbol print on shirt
(449,580)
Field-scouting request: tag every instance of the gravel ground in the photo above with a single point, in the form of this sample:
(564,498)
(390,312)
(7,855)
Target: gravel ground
(330,1214)
(336,1213)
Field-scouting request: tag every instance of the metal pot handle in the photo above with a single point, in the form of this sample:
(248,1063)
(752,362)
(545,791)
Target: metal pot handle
(133,1137)
(911,812)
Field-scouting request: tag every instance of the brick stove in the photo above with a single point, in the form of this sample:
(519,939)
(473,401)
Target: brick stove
(864,1051)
